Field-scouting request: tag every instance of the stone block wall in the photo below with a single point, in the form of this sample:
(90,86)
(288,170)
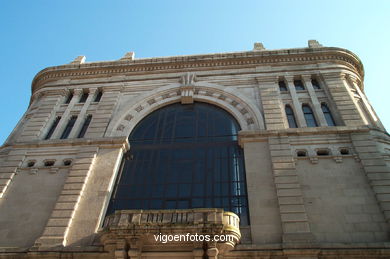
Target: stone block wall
(308,187)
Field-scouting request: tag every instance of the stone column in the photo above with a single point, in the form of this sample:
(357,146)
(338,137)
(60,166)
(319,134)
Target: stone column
(295,223)
(376,169)
(41,115)
(342,96)
(314,100)
(65,117)
(366,103)
(102,115)
(81,116)
(297,104)
(271,101)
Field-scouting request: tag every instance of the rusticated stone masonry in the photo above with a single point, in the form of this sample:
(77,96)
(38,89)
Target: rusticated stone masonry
(293,215)
(60,221)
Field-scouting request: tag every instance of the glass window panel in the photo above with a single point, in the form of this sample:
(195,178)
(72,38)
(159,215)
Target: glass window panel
(183,204)
(218,203)
(197,203)
(184,190)
(225,189)
(198,190)
(299,85)
(170,204)
(171,190)
(156,204)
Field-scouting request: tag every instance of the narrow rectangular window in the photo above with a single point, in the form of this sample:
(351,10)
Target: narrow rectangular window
(98,96)
(282,86)
(53,127)
(315,84)
(68,127)
(83,98)
(85,126)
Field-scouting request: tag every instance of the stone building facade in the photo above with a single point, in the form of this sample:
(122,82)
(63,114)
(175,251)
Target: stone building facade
(316,158)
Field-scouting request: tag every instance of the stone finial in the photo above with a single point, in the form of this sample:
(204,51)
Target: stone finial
(314,44)
(128,56)
(258,46)
(78,60)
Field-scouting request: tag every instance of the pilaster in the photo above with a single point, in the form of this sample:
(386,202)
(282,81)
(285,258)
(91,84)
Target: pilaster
(295,223)
(59,223)
(376,169)
(314,100)
(38,118)
(271,101)
(81,115)
(65,117)
(374,117)
(343,98)
(102,116)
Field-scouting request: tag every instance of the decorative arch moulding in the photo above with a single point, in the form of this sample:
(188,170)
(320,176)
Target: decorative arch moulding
(199,62)
(248,117)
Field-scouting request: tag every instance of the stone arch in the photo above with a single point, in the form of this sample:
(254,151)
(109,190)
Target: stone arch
(240,107)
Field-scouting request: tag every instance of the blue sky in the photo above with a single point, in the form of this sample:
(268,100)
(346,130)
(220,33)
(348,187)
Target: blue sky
(37,34)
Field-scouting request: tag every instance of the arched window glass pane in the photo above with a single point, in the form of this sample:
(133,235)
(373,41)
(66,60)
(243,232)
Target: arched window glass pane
(328,115)
(184,156)
(282,86)
(290,117)
(309,116)
(299,85)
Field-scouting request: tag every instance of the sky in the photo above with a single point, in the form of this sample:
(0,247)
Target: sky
(41,33)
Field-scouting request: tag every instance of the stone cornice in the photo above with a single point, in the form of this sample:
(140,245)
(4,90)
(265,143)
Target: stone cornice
(197,62)
(111,142)
(262,135)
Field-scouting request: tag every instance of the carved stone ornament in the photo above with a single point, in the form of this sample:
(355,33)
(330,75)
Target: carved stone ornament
(187,88)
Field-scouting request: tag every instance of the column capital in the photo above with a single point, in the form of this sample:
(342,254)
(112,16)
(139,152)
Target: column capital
(289,78)
(92,90)
(334,75)
(77,91)
(306,78)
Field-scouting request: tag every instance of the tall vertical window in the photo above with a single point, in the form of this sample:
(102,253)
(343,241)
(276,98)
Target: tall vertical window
(309,116)
(328,115)
(181,157)
(83,98)
(290,117)
(84,128)
(98,96)
(282,86)
(53,127)
(298,85)
(68,127)
(315,84)
(69,98)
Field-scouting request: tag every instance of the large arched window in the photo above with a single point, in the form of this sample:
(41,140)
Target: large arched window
(183,156)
